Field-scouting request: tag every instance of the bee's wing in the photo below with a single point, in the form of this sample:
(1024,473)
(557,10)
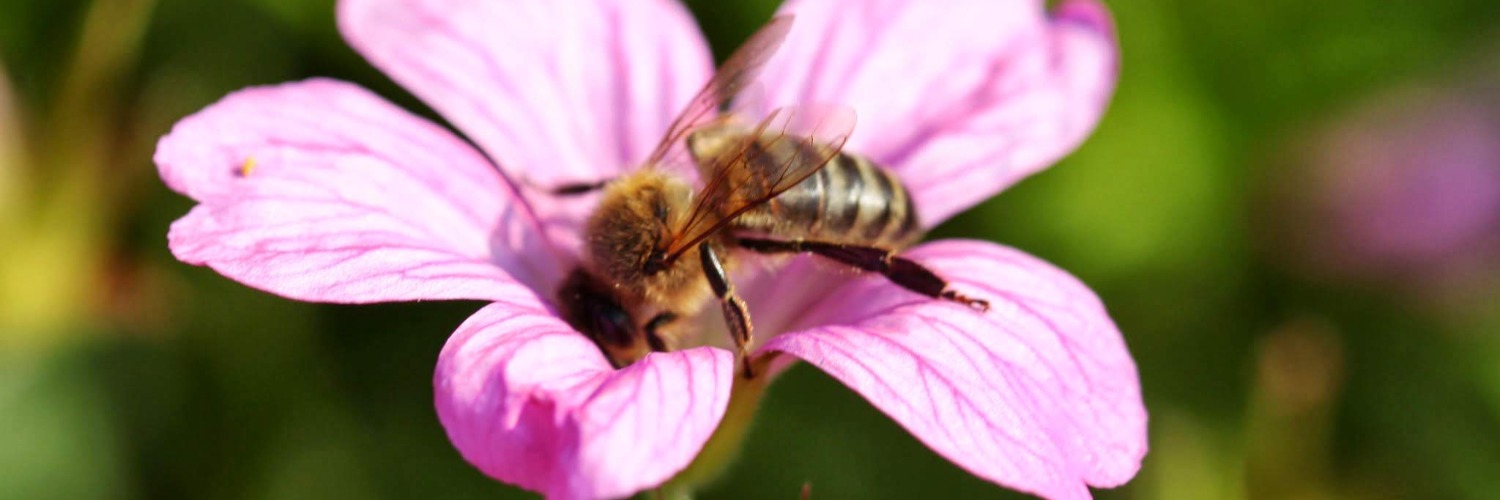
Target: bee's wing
(750,175)
(733,77)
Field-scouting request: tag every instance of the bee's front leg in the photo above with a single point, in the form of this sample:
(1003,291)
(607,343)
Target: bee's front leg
(736,315)
(567,189)
(578,188)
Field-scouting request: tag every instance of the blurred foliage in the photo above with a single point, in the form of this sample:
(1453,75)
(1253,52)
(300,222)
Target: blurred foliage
(125,374)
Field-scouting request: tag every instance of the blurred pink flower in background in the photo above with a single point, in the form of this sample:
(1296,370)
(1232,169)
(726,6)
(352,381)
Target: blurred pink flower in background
(1415,179)
(322,191)
(1405,190)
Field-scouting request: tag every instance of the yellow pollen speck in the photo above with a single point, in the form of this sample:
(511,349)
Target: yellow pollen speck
(248,167)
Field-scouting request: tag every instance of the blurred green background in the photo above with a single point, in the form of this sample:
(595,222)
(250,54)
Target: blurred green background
(1282,355)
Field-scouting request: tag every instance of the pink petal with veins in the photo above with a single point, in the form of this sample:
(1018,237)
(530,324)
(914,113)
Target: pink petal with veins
(555,92)
(321,191)
(531,402)
(961,98)
(1038,394)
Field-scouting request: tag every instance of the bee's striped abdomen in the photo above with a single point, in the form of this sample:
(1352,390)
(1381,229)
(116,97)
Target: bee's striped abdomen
(850,200)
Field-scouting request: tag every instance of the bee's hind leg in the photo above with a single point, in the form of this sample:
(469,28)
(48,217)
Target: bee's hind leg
(736,315)
(900,270)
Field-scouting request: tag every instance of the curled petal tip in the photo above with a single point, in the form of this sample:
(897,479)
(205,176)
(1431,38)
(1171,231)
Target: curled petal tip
(1090,13)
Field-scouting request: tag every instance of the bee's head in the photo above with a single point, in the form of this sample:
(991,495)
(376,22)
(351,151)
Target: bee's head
(594,311)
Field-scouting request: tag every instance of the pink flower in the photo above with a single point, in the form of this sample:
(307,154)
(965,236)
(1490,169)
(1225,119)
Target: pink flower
(1400,194)
(322,191)
(1410,181)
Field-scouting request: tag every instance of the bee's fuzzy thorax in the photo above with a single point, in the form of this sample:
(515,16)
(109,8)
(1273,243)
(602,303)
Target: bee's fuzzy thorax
(634,217)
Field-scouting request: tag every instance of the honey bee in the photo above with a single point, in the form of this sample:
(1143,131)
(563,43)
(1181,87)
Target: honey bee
(656,251)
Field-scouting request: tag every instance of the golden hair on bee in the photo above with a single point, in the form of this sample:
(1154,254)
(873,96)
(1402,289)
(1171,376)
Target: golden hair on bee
(636,217)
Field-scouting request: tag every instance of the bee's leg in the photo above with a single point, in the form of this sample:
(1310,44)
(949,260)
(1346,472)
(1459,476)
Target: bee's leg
(569,189)
(900,270)
(577,188)
(736,315)
(652,327)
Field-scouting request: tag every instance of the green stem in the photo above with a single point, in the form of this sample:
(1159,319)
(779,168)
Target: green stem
(53,258)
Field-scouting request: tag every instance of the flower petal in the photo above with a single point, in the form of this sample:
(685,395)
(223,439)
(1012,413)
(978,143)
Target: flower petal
(321,191)
(1038,394)
(554,91)
(531,402)
(961,98)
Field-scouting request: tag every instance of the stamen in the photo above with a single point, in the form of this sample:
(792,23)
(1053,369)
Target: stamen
(248,167)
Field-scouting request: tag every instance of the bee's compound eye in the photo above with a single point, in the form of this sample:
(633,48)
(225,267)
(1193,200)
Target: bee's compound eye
(614,325)
(593,311)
